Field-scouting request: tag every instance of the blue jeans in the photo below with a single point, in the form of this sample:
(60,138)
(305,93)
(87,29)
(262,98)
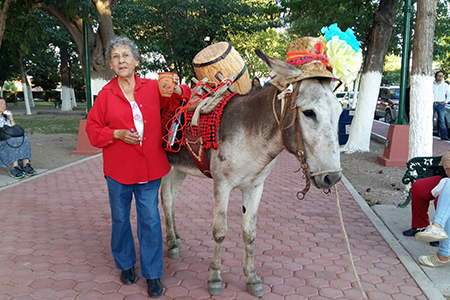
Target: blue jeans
(148,226)
(440,110)
(442,217)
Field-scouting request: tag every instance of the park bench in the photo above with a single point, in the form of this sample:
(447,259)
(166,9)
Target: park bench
(420,167)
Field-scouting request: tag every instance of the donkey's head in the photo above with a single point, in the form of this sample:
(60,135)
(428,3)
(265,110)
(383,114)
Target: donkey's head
(316,111)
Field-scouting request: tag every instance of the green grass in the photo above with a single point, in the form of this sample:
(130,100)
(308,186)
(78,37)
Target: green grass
(52,126)
(41,123)
(45,104)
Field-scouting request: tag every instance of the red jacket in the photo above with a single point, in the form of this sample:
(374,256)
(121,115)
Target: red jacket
(125,163)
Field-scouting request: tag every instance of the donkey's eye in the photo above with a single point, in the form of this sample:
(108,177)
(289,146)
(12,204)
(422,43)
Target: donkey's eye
(310,114)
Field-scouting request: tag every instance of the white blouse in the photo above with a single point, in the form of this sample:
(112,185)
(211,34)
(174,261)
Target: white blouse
(137,118)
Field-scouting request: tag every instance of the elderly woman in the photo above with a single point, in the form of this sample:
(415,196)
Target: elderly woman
(125,122)
(14,148)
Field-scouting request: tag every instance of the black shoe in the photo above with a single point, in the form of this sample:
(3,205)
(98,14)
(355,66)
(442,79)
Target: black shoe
(155,288)
(411,232)
(434,244)
(17,173)
(128,276)
(28,170)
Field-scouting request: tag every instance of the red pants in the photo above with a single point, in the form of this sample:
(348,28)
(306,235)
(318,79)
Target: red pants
(420,200)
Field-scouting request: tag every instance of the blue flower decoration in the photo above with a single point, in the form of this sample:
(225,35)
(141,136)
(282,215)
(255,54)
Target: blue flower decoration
(348,36)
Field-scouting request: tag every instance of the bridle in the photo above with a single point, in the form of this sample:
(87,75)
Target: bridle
(300,153)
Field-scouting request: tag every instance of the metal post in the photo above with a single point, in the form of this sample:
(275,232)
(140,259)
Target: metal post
(405,63)
(87,66)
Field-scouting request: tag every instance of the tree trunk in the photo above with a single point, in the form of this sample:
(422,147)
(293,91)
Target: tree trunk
(24,84)
(3,15)
(73,100)
(378,43)
(421,107)
(27,89)
(65,78)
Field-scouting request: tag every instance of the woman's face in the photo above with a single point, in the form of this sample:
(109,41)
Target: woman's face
(2,105)
(122,61)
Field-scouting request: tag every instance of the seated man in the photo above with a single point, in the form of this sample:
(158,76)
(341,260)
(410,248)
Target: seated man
(437,231)
(420,201)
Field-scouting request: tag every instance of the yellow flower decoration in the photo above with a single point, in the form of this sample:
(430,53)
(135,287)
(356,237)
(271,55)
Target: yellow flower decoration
(343,51)
(343,59)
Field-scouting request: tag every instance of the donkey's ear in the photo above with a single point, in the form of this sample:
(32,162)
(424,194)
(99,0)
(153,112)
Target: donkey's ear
(282,73)
(263,57)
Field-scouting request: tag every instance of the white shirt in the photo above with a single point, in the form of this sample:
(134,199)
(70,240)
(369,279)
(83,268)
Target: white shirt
(441,92)
(438,188)
(137,118)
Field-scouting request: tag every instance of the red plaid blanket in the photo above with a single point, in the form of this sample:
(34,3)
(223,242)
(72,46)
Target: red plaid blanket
(208,124)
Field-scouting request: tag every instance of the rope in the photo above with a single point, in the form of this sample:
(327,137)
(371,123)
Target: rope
(341,220)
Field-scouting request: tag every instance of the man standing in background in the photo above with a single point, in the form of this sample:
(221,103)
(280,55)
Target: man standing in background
(441,97)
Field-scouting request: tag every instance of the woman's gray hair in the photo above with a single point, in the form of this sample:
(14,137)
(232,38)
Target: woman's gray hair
(122,41)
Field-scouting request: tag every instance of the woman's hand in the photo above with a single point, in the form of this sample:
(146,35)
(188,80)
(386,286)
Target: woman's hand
(177,90)
(10,117)
(128,136)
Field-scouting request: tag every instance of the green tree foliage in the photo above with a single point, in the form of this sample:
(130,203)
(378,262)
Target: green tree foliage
(307,17)
(8,62)
(45,70)
(442,36)
(270,41)
(172,32)
(9,86)
(39,46)
(391,70)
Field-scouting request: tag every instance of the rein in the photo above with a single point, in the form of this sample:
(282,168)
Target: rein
(300,154)
(306,172)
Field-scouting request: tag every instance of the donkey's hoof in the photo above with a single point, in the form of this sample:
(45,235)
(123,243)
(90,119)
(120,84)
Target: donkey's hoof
(174,253)
(179,244)
(255,289)
(215,287)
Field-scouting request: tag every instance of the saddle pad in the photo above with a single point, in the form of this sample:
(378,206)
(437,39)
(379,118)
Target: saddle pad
(208,124)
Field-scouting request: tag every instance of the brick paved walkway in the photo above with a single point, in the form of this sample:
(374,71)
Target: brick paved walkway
(55,231)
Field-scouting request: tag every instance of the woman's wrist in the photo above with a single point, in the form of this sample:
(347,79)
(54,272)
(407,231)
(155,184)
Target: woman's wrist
(178,90)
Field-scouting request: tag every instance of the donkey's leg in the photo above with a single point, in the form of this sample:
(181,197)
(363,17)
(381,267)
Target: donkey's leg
(251,199)
(220,228)
(169,189)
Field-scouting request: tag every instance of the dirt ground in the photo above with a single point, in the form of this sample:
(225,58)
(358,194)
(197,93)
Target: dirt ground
(376,183)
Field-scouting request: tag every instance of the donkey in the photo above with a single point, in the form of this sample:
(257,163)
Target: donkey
(253,131)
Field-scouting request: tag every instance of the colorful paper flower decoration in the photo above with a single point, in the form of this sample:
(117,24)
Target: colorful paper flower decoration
(343,51)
